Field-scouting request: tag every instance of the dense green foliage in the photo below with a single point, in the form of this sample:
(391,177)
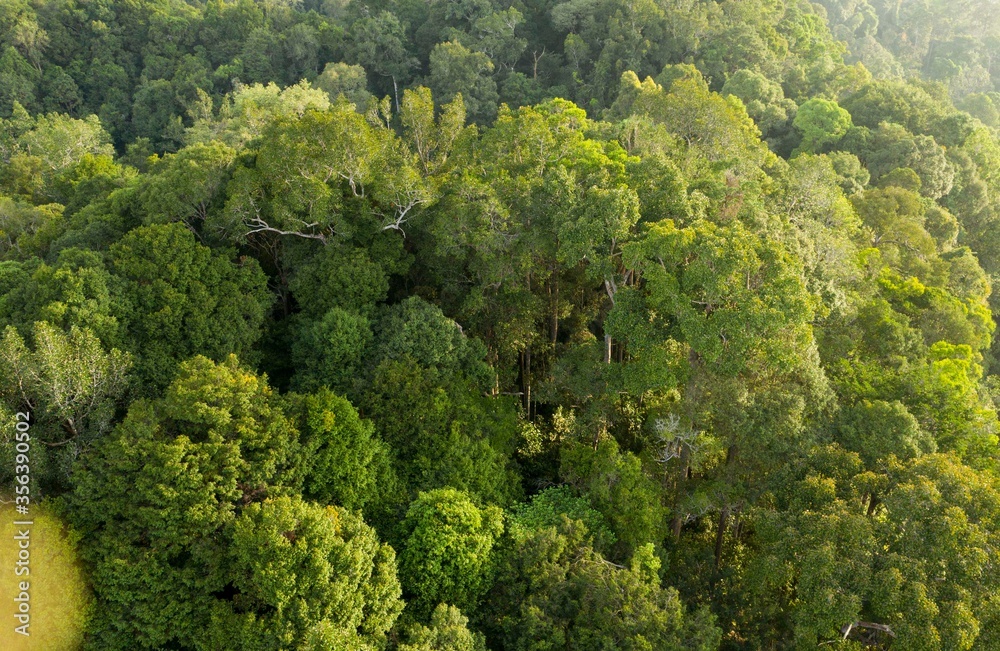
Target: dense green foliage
(452,326)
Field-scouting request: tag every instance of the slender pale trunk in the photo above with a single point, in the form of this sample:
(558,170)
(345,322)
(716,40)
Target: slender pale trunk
(611,288)
(678,522)
(555,308)
(526,380)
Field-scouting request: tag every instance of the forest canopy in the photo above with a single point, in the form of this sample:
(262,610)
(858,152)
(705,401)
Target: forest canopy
(391,325)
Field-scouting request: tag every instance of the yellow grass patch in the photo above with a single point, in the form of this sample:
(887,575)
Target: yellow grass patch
(59,598)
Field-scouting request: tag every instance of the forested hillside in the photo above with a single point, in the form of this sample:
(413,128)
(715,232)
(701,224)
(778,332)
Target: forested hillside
(453,325)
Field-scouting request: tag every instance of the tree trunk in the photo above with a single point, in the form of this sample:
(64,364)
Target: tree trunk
(526,380)
(678,522)
(872,503)
(675,526)
(724,515)
(721,534)
(555,308)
